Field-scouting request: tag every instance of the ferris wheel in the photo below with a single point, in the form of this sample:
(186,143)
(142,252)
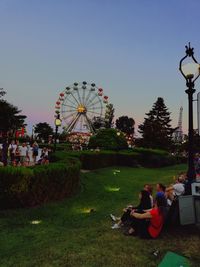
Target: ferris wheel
(79,105)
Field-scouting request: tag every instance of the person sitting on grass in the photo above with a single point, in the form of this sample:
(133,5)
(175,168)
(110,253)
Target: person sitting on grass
(145,204)
(149,189)
(150,223)
(160,188)
(175,190)
(160,191)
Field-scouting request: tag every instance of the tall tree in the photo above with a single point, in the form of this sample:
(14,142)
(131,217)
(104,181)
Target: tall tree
(126,125)
(156,130)
(109,115)
(10,118)
(43,130)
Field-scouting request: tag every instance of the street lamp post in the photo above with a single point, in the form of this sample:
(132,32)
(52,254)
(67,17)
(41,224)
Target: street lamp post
(190,71)
(57,124)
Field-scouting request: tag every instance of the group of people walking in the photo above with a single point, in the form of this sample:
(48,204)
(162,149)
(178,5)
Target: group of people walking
(147,218)
(25,154)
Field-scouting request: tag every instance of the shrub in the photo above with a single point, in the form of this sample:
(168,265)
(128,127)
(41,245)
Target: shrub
(54,181)
(96,160)
(14,186)
(26,187)
(108,139)
(129,159)
(59,147)
(132,158)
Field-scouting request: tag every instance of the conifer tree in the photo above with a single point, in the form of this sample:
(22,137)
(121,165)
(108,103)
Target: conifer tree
(109,115)
(156,130)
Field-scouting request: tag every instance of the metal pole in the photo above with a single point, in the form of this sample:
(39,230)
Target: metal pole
(198,110)
(191,170)
(55,139)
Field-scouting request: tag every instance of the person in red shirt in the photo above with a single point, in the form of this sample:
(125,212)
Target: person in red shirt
(149,224)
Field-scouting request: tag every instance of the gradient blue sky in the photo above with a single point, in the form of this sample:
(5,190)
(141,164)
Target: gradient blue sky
(131,48)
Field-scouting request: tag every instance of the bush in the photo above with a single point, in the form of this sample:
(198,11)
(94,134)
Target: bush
(129,159)
(96,160)
(53,182)
(108,139)
(154,157)
(132,158)
(26,187)
(14,186)
(59,147)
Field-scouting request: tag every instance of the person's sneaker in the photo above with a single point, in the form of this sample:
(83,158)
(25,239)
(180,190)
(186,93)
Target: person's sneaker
(113,217)
(169,202)
(115,226)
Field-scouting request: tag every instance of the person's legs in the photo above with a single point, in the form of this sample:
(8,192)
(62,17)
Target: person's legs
(126,216)
(134,225)
(123,220)
(143,226)
(12,157)
(22,160)
(139,227)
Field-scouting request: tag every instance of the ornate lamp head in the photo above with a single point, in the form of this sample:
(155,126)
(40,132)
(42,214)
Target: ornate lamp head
(188,66)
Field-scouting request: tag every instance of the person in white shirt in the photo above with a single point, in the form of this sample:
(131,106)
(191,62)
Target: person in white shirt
(23,154)
(176,189)
(12,148)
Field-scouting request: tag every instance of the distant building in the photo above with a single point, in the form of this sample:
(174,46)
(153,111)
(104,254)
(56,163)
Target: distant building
(178,133)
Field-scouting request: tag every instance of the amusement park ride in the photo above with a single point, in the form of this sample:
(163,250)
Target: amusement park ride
(79,104)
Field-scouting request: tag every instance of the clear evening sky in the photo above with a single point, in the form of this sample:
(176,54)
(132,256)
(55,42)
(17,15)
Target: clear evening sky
(131,48)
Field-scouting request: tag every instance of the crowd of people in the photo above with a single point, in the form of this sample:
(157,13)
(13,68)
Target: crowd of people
(15,154)
(148,217)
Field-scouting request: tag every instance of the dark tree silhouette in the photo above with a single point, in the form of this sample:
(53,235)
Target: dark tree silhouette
(156,130)
(43,130)
(125,124)
(10,118)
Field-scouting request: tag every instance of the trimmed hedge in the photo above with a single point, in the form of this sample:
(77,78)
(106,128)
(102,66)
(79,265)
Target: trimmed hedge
(27,187)
(133,158)
(96,160)
(59,147)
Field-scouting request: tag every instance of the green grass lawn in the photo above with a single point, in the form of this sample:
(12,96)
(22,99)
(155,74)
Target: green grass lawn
(66,234)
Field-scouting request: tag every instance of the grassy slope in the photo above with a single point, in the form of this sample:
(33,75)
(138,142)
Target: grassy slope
(69,236)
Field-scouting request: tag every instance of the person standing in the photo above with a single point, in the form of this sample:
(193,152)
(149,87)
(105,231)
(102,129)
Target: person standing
(35,149)
(17,156)
(12,149)
(23,154)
